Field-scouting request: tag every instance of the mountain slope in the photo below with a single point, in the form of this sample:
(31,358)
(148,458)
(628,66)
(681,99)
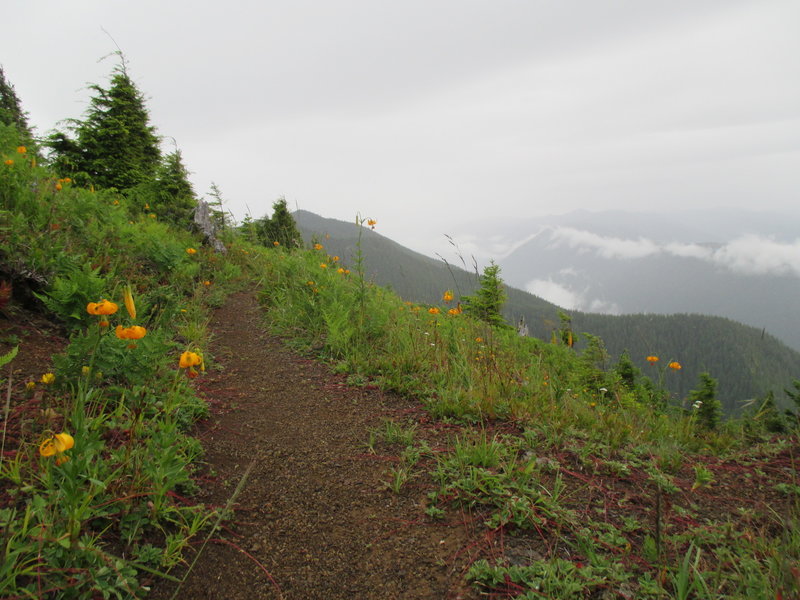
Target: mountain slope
(747,361)
(626,263)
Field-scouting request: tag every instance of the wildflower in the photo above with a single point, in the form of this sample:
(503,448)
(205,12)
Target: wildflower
(48,378)
(479,339)
(127,297)
(147,207)
(334,259)
(191,251)
(433,310)
(206,283)
(56,446)
(152,215)
(9,162)
(30,386)
(67,180)
(21,150)
(115,203)
(276,244)
(309,282)
(347,271)
(135,332)
(697,404)
(318,246)
(592,404)
(372,223)
(104,307)
(675,365)
(323,266)
(59,187)
(453,312)
(448,296)
(340,270)
(652,359)
(85,370)
(189,360)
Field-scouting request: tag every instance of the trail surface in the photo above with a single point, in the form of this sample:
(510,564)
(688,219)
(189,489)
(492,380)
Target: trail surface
(313,519)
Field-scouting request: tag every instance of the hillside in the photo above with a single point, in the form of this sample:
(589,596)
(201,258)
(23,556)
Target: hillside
(747,361)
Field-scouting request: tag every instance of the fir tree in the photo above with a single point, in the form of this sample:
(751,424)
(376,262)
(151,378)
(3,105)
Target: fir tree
(487,301)
(281,228)
(174,199)
(115,145)
(11,112)
(705,402)
(627,371)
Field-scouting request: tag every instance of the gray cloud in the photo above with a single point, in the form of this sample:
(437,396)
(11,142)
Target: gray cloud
(748,254)
(426,114)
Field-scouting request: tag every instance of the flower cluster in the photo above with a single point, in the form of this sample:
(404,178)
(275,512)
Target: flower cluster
(105,308)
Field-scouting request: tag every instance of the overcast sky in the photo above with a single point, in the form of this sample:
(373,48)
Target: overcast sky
(427,114)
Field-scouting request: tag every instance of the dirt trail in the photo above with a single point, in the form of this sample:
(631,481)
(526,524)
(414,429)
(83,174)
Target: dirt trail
(313,520)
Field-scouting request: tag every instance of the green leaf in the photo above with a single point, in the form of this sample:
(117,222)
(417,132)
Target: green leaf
(9,356)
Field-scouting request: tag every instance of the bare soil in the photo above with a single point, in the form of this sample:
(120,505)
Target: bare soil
(314,518)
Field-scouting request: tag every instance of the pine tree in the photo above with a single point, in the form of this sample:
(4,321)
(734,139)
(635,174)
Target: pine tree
(114,146)
(11,112)
(487,301)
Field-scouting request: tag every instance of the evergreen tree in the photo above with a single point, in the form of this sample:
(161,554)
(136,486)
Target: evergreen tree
(11,112)
(774,421)
(627,371)
(281,228)
(216,205)
(115,146)
(487,301)
(705,402)
(173,199)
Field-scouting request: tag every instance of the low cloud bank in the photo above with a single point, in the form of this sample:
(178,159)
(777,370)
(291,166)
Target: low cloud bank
(569,299)
(748,254)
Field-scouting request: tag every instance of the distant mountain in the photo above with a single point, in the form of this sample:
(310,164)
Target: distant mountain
(746,360)
(745,267)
